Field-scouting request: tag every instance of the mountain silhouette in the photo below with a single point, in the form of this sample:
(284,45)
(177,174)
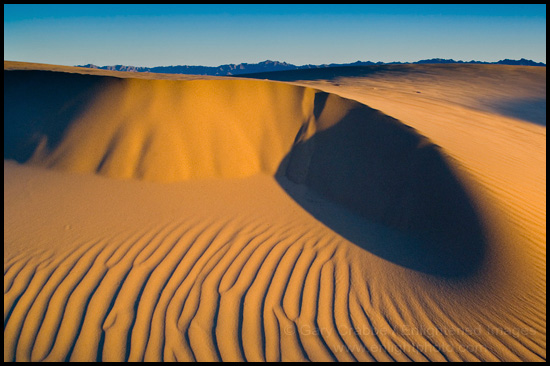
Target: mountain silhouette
(268,66)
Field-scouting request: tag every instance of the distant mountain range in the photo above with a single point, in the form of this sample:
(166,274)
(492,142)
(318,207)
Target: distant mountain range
(267,66)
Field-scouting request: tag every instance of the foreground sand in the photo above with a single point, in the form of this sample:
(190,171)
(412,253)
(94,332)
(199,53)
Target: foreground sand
(232,219)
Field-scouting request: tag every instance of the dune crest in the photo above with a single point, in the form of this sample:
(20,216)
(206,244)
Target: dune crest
(156,130)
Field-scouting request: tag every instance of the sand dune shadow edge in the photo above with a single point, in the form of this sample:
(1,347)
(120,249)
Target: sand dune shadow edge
(397,187)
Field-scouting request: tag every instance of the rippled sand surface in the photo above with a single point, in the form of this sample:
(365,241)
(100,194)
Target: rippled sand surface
(364,214)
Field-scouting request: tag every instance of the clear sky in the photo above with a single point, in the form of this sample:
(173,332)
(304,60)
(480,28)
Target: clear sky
(212,35)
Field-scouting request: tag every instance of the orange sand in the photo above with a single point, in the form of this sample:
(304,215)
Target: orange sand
(153,217)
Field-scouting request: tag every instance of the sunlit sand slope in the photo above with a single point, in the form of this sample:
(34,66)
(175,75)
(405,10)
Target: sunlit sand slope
(159,130)
(248,220)
(202,271)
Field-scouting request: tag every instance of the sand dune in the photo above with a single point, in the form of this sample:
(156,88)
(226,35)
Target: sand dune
(233,219)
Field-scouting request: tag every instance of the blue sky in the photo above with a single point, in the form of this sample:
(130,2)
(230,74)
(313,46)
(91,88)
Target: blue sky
(211,35)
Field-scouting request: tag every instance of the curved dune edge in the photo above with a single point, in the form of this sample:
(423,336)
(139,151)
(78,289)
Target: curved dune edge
(221,279)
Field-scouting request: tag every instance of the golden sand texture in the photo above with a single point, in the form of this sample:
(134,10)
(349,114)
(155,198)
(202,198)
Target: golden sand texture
(232,219)
(499,156)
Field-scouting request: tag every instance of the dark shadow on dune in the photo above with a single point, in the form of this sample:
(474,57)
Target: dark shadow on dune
(43,103)
(393,191)
(531,110)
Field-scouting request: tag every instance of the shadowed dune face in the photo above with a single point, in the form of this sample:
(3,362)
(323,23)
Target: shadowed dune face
(37,108)
(528,109)
(167,131)
(383,170)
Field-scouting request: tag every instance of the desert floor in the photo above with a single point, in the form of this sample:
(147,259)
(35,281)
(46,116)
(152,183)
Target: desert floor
(384,213)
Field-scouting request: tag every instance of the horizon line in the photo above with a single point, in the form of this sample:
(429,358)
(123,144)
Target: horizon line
(322,64)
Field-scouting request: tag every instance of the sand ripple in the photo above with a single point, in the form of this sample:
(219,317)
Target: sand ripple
(258,221)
